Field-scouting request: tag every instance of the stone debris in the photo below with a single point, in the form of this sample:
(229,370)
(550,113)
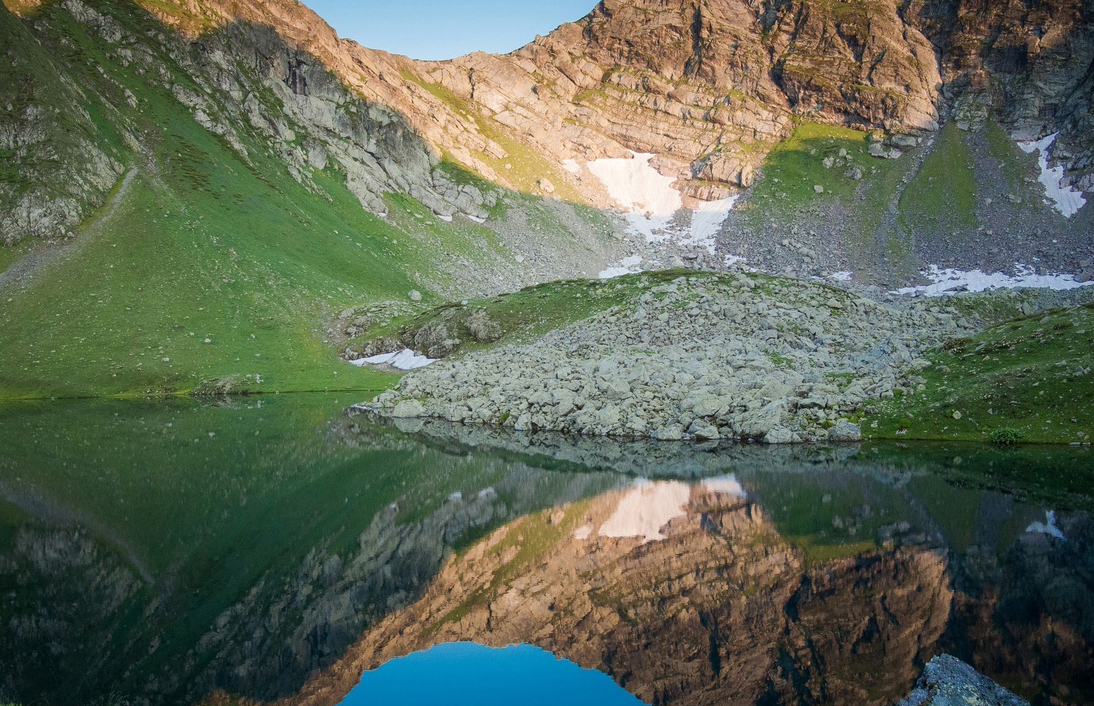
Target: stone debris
(704,358)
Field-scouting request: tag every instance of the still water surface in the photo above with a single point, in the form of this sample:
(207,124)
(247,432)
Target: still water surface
(274,549)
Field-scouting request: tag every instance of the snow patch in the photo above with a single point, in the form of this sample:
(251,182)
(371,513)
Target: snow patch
(732,260)
(650,202)
(1048,526)
(707,220)
(443,217)
(645,509)
(1067,200)
(840,276)
(583,532)
(571,166)
(947,281)
(476,219)
(626,266)
(405,359)
(637,186)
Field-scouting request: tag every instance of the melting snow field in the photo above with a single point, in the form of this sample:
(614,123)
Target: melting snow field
(626,266)
(948,281)
(650,202)
(405,359)
(636,185)
(1068,201)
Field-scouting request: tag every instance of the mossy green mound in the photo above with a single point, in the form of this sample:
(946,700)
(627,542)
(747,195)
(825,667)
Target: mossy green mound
(1028,380)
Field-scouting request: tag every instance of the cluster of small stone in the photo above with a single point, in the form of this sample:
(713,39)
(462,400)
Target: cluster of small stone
(779,361)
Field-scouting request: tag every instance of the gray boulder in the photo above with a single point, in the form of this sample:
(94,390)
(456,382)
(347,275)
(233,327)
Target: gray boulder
(845,431)
(947,681)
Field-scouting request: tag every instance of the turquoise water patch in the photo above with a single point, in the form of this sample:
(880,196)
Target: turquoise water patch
(455,673)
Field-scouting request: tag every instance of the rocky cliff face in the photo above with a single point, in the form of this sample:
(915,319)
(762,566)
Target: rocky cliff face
(707,85)
(1028,64)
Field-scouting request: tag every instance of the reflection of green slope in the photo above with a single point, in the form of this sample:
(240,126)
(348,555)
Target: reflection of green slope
(967,517)
(842,512)
(228,521)
(829,515)
(1058,476)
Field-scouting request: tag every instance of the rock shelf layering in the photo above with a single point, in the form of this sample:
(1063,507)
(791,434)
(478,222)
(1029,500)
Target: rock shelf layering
(725,357)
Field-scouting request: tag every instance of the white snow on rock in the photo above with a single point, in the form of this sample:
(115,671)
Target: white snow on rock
(649,202)
(1068,200)
(637,186)
(708,218)
(405,359)
(571,166)
(1048,526)
(645,509)
(626,266)
(840,276)
(734,260)
(949,281)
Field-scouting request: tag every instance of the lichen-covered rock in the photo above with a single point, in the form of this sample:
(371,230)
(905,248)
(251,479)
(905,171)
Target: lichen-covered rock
(947,681)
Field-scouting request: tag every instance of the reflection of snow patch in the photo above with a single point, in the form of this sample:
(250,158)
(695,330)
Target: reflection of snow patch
(1067,199)
(405,359)
(626,266)
(1048,527)
(645,509)
(571,166)
(948,280)
(727,485)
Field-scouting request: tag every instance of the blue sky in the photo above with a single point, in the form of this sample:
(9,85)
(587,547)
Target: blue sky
(435,29)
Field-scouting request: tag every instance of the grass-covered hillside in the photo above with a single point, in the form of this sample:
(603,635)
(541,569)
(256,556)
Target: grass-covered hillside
(1027,380)
(832,198)
(212,265)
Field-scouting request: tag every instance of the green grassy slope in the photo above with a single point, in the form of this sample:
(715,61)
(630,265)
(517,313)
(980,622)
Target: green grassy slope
(785,190)
(942,195)
(208,269)
(1027,380)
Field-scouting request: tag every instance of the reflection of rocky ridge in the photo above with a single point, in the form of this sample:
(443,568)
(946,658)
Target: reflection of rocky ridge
(75,600)
(722,611)
(725,610)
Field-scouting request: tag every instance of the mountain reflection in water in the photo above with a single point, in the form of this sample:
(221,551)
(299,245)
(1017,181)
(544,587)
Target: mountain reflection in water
(270,551)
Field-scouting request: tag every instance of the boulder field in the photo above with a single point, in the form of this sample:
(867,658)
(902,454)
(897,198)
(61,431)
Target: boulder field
(739,356)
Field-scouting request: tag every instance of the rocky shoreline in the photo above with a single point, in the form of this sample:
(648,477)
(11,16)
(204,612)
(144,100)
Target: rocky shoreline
(707,356)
